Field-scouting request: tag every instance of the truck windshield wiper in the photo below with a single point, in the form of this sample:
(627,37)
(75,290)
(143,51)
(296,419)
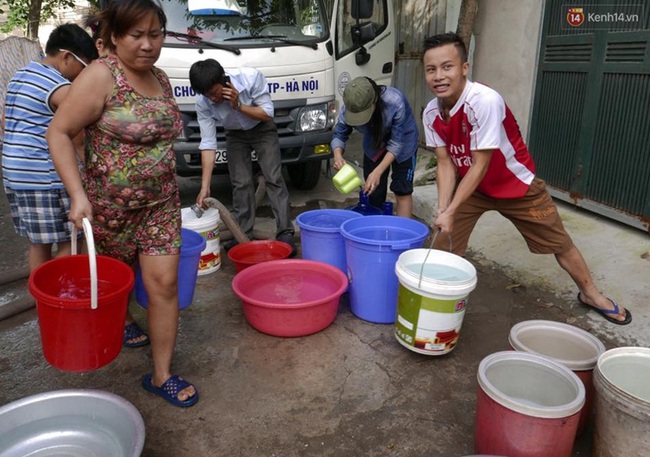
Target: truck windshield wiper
(193,39)
(282,38)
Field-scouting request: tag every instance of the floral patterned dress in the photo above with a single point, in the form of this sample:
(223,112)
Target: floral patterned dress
(130,161)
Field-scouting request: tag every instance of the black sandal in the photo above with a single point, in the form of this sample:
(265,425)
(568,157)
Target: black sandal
(133,331)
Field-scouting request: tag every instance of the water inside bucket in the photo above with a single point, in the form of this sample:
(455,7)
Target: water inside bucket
(561,346)
(291,289)
(257,257)
(327,221)
(382,234)
(79,288)
(630,373)
(439,272)
(530,383)
(528,402)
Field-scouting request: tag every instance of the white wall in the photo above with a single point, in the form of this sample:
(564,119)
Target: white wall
(506,41)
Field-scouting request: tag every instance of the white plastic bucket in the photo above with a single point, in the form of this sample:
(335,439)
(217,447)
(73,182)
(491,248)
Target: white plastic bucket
(208,227)
(431,299)
(576,349)
(622,406)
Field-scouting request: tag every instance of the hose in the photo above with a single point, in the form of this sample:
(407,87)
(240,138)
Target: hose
(261,189)
(227,219)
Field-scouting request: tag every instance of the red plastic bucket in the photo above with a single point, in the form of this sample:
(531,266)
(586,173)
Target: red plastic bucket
(527,406)
(251,253)
(74,336)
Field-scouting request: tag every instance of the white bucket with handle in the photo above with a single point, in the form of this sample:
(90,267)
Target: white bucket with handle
(432,298)
(207,225)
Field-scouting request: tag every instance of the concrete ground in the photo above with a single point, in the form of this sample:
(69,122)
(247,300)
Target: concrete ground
(350,390)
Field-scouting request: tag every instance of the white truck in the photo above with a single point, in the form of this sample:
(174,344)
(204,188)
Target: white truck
(308,50)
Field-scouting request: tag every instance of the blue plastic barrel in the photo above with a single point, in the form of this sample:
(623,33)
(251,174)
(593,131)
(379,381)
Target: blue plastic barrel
(320,235)
(188,267)
(372,246)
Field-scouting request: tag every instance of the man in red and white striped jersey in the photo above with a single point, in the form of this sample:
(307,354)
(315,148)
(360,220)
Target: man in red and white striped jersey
(484,164)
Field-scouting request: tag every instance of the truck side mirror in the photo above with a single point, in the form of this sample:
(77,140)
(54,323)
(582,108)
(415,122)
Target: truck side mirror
(362,57)
(363,33)
(361,9)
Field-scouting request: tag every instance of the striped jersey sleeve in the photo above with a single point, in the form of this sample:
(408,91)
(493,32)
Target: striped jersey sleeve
(26,161)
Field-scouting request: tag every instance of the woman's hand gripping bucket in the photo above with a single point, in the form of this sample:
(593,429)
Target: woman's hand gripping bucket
(81,302)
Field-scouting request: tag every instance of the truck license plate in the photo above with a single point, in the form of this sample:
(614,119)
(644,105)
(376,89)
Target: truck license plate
(221,156)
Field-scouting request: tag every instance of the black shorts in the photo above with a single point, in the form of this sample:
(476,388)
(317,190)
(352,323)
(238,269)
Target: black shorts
(401,178)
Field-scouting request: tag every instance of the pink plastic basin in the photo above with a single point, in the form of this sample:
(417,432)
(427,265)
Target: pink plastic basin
(290,297)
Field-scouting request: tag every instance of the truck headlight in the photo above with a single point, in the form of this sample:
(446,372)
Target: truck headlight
(316,117)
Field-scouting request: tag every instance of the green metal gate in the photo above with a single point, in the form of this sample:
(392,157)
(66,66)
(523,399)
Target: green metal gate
(590,130)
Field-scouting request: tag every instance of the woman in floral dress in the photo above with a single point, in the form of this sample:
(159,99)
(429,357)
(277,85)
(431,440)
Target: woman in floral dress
(128,189)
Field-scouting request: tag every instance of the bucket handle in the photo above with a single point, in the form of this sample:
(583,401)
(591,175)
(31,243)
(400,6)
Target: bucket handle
(433,240)
(92,257)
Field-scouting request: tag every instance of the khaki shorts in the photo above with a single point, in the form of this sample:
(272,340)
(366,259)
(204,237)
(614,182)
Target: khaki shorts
(535,216)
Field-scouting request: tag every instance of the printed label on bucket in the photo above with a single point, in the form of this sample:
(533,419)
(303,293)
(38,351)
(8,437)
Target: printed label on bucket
(427,325)
(210,261)
(210,234)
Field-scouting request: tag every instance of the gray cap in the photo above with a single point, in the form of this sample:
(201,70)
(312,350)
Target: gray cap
(359,98)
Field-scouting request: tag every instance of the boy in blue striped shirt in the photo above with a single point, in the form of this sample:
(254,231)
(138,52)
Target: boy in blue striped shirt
(38,201)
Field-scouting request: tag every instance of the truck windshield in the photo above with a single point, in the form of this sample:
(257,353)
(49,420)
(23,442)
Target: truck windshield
(254,22)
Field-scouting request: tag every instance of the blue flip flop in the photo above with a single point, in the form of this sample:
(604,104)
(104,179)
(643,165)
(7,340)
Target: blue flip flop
(170,390)
(131,332)
(606,313)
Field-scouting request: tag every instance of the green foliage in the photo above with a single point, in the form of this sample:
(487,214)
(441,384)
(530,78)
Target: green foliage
(309,15)
(18,11)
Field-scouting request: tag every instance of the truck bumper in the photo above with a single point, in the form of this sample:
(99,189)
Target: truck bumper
(293,149)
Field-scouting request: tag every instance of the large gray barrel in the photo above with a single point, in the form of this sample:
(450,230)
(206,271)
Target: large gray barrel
(622,424)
